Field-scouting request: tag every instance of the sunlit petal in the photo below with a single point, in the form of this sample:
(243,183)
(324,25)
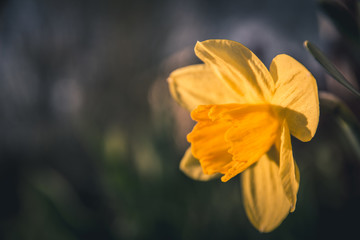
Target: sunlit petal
(296,90)
(238,67)
(198,85)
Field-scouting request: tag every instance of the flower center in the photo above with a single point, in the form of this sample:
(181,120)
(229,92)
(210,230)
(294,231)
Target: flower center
(229,138)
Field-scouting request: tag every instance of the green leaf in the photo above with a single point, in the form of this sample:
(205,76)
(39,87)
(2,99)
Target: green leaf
(329,67)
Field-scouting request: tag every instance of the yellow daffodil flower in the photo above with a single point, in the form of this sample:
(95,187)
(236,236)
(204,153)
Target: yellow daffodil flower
(245,115)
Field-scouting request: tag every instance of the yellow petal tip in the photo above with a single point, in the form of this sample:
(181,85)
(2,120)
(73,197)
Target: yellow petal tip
(197,43)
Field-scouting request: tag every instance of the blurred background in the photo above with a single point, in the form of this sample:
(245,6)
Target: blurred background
(91,140)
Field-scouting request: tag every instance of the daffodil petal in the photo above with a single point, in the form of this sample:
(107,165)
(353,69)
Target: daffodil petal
(238,67)
(192,168)
(208,143)
(199,85)
(289,172)
(254,130)
(265,202)
(229,138)
(296,91)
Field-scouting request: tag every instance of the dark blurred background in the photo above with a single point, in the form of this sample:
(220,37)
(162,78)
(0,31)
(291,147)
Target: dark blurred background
(90,139)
